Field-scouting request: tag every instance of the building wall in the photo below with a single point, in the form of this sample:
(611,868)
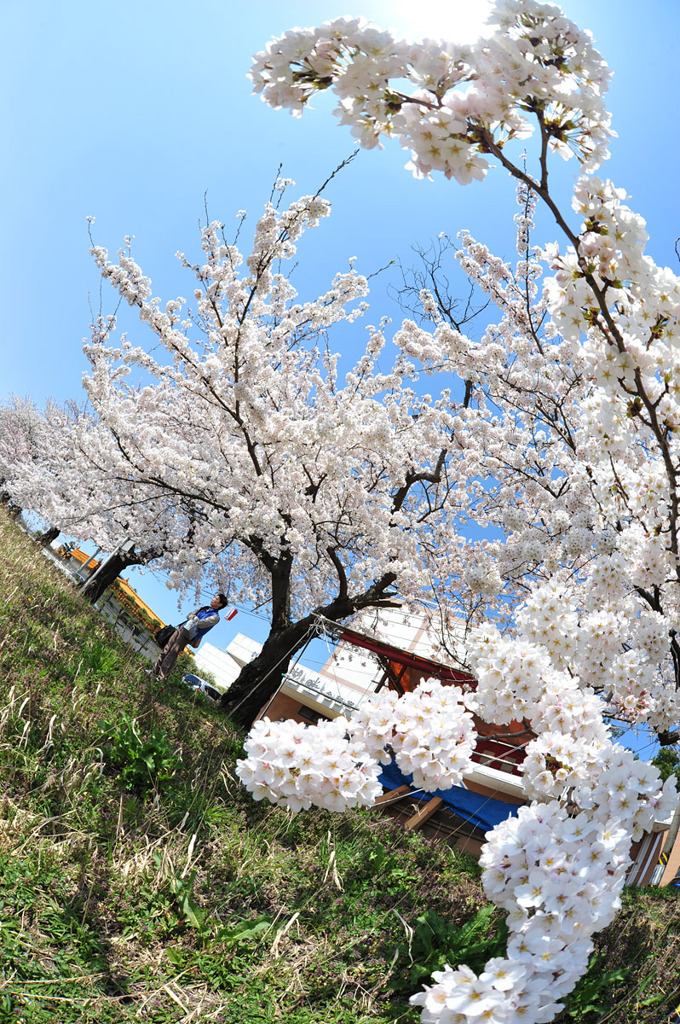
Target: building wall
(673,866)
(469,845)
(286,707)
(131,632)
(355,670)
(128,626)
(218,662)
(645,855)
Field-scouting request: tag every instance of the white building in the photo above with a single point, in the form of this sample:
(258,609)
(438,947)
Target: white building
(225,665)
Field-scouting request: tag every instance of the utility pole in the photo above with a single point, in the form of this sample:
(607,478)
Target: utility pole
(79,574)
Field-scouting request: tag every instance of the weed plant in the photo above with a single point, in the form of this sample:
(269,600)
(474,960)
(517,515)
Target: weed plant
(140,760)
(139,882)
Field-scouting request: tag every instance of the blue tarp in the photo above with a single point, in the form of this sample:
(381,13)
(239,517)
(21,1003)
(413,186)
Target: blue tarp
(482,811)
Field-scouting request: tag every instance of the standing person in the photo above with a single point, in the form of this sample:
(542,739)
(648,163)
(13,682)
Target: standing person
(191,631)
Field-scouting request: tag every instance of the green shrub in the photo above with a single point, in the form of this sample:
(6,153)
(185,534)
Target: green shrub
(139,762)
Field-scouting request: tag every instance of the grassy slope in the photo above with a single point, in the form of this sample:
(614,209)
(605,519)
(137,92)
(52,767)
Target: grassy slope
(185,900)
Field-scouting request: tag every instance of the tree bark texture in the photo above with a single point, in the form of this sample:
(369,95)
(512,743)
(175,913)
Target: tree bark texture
(260,678)
(108,571)
(46,538)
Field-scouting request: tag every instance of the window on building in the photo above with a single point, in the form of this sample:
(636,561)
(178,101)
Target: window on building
(309,714)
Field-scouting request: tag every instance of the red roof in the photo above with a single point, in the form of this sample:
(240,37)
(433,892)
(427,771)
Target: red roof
(501,747)
(421,667)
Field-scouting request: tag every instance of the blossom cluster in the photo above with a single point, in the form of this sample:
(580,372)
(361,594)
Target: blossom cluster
(557,868)
(559,876)
(516,678)
(295,766)
(457,92)
(336,764)
(429,731)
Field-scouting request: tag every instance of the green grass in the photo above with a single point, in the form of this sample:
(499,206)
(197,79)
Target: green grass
(139,882)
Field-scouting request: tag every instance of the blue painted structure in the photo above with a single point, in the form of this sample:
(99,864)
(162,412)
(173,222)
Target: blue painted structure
(482,811)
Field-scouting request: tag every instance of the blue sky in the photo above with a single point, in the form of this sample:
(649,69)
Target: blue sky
(131,111)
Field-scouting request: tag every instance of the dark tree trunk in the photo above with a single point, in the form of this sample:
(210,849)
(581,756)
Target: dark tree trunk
(260,679)
(46,538)
(108,571)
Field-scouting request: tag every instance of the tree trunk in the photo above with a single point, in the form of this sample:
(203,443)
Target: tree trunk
(46,538)
(108,571)
(260,678)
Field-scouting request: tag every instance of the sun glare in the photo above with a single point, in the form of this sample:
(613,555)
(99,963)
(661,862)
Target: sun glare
(460,20)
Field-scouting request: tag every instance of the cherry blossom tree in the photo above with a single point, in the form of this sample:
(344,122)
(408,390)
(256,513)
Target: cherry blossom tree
(570,422)
(20,425)
(313,492)
(51,461)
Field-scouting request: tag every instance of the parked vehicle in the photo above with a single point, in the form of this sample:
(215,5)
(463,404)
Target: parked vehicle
(196,683)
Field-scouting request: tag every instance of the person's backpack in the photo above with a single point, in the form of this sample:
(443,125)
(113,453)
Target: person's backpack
(163,635)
